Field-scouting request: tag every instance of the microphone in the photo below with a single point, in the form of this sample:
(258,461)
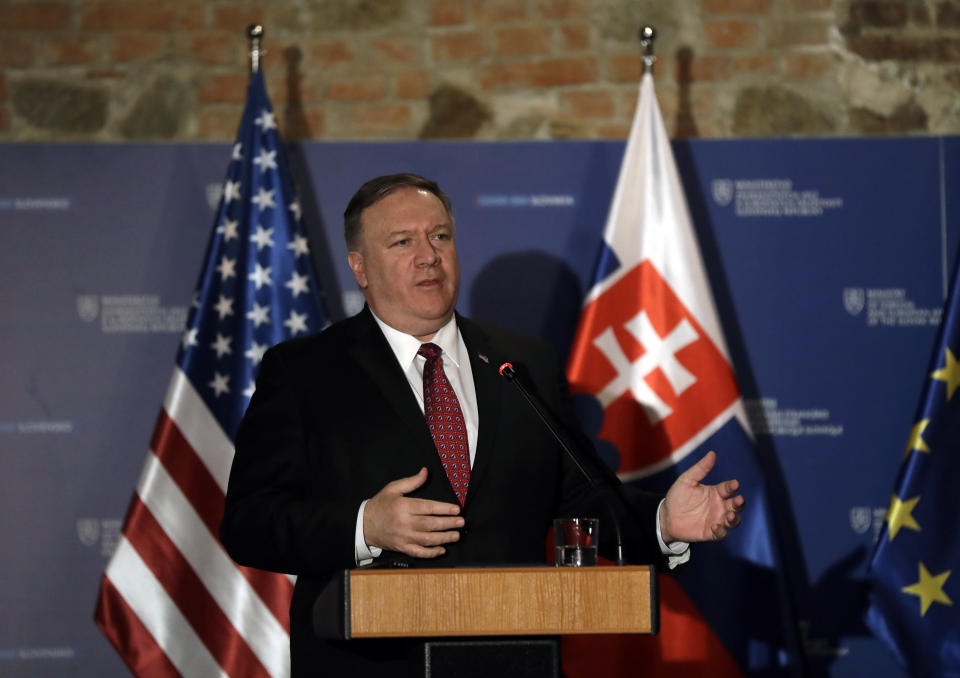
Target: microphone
(557,430)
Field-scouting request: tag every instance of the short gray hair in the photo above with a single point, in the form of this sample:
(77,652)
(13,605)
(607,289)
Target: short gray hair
(378,188)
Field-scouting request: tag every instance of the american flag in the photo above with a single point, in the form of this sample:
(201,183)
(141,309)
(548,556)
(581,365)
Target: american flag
(650,351)
(171,600)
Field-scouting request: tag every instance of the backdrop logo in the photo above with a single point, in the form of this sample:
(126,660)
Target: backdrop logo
(853,299)
(768,418)
(771,198)
(722,190)
(865,519)
(105,532)
(525,200)
(893,307)
(36,204)
(88,531)
(861,518)
(214,192)
(88,306)
(37,427)
(24,654)
(132,313)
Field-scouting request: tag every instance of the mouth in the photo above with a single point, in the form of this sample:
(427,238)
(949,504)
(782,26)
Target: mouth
(429,283)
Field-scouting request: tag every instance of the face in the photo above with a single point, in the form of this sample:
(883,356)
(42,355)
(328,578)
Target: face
(406,262)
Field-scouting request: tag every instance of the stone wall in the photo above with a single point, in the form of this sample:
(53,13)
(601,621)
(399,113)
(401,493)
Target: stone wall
(116,70)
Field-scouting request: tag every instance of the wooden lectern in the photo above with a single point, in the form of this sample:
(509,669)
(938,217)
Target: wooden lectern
(492,618)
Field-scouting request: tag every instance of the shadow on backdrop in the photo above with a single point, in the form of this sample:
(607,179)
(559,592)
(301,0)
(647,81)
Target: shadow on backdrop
(297,126)
(685,126)
(531,293)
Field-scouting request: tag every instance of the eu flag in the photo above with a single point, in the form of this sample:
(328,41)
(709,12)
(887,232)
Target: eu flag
(915,570)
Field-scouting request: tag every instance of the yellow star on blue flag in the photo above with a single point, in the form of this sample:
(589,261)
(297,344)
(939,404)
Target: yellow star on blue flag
(929,589)
(949,373)
(911,588)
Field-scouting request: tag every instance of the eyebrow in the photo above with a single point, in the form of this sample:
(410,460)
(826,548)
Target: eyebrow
(411,231)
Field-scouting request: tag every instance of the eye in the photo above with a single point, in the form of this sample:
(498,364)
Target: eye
(402,242)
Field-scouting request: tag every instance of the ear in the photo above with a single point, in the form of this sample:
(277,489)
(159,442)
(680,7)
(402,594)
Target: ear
(355,259)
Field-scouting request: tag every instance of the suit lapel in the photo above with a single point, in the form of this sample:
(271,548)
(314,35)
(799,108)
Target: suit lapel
(375,358)
(488,384)
(370,349)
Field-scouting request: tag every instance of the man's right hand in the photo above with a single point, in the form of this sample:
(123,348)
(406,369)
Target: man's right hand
(417,527)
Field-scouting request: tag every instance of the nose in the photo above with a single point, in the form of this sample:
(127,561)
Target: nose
(426,253)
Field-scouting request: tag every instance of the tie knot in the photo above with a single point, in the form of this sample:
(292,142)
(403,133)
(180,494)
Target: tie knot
(430,351)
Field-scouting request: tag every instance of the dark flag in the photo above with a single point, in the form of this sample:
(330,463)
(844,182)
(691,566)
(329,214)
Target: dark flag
(915,570)
(171,600)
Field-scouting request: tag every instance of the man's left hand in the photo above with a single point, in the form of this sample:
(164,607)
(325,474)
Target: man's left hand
(696,512)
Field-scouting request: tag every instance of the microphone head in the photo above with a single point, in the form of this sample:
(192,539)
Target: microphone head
(506,370)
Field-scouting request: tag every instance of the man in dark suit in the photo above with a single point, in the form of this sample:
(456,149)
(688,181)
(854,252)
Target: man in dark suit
(337,466)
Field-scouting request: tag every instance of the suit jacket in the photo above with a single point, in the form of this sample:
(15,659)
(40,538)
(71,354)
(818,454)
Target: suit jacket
(333,420)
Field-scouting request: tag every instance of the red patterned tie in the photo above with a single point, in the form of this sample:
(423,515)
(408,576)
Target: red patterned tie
(445,421)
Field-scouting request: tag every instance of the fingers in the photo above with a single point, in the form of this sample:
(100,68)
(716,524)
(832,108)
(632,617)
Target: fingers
(435,524)
(730,520)
(414,516)
(436,538)
(421,528)
(423,552)
(426,544)
(408,484)
(699,471)
(417,527)
(429,507)
(731,504)
(728,487)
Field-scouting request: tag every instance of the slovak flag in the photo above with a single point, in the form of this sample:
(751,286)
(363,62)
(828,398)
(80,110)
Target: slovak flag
(650,351)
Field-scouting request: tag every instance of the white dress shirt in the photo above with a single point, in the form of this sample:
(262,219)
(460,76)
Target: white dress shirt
(456,365)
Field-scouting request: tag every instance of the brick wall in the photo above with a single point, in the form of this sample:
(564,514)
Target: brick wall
(109,70)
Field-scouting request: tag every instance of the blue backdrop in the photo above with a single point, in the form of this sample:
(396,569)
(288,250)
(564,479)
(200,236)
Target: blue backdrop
(828,259)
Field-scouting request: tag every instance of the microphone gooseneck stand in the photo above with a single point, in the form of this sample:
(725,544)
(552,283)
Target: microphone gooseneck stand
(557,430)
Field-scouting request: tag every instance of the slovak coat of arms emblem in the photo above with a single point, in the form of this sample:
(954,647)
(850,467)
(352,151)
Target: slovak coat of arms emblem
(88,306)
(722,190)
(853,299)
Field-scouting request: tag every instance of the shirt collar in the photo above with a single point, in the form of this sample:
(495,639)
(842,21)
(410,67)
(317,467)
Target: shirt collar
(405,346)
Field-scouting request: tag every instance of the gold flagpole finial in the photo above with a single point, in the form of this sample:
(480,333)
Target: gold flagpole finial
(255,33)
(647,35)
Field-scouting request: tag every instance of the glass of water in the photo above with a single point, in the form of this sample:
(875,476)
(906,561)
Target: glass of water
(576,541)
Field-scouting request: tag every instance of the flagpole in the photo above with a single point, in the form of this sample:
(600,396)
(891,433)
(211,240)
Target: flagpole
(255,34)
(647,35)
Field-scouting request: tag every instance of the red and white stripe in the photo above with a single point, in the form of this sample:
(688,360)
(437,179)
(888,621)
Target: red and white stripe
(172,601)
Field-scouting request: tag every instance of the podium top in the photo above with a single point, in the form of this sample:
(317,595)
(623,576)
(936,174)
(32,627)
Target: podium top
(488,601)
